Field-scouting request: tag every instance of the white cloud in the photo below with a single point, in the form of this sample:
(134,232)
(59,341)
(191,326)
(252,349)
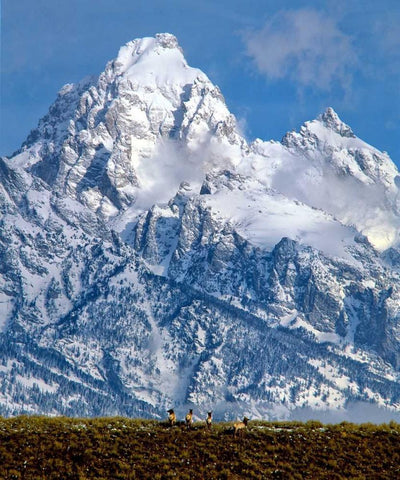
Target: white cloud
(388,32)
(369,207)
(305,46)
(174,162)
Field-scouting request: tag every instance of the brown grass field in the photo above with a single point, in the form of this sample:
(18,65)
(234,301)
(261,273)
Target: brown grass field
(43,448)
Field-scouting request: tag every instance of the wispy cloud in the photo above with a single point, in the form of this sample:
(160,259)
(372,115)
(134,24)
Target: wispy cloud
(386,33)
(387,27)
(306,46)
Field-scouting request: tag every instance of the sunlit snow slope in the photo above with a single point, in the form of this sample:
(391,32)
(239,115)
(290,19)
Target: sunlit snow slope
(150,256)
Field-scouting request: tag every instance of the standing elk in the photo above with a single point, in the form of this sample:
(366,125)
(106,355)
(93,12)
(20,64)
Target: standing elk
(209,420)
(189,419)
(240,427)
(171,417)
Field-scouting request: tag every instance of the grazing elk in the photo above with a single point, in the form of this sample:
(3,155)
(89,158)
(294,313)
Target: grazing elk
(189,419)
(240,427)
(171,417)
(209,420)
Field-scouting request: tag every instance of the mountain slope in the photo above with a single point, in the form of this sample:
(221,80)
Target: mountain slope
(97,140)
(151,257)
(326,166)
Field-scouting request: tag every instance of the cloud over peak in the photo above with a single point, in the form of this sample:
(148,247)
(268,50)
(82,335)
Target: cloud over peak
(305,46)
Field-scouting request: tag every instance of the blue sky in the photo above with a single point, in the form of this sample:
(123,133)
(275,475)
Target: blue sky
(278,63)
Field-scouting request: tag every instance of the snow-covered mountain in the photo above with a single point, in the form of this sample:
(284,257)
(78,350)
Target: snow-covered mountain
(152,257)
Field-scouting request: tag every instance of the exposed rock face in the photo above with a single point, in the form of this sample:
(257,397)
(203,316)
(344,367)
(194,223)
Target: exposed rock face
(150,257)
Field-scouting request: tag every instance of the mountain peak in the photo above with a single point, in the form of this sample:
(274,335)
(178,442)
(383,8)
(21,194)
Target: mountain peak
(140,47)
(152,58)
(136,129)
(167,40)
(326,129)
(268,262)
(330,119)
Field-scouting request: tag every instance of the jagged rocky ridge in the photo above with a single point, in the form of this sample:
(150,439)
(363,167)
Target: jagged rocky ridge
(151,256)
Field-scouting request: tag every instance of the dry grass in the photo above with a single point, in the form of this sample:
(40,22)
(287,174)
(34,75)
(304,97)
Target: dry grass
(119,448)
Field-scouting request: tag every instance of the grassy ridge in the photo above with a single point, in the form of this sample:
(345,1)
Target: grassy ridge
(120,448)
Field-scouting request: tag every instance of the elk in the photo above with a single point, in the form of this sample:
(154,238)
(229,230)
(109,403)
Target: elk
(171,417)
(189,419)
(240,427)
(209,420)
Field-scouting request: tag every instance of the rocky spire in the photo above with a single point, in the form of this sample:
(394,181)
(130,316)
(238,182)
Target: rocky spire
(330,119)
